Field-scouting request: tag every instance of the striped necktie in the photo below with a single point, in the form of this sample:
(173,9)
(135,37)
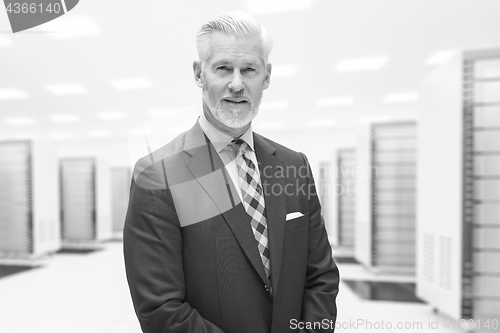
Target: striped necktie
(253,200)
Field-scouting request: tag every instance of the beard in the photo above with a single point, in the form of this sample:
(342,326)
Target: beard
(233,118)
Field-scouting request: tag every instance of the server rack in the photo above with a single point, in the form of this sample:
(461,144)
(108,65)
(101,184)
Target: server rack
(481,199)
(28,199)
(85,201)
(386,226)
(120,180)
(345,202)
(393,196)
(461,264)
(323,187)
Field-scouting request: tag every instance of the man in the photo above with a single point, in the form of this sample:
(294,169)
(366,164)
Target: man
(224,231)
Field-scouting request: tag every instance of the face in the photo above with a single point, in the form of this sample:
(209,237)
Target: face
(233,79)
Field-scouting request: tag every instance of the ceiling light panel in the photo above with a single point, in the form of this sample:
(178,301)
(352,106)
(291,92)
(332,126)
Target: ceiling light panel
(64,89)
(131,83)
(114,115)
(20,121)
(12,93)
(68,27)
(361,64)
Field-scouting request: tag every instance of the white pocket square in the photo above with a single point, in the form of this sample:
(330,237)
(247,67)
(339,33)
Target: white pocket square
(294,215)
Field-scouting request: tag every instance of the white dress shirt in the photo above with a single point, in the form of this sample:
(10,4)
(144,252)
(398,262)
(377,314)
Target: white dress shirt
(223,146)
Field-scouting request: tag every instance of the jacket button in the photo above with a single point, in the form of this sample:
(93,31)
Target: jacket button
(265,286)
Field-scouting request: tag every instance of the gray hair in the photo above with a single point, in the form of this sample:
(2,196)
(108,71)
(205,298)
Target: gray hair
(234,23)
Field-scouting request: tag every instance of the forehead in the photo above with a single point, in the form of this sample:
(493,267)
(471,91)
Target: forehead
(229,48)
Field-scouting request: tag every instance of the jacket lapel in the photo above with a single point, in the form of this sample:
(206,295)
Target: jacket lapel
(273,183)
(239,222)
(209,171)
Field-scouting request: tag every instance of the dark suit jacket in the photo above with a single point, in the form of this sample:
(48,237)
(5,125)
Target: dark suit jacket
(191,258)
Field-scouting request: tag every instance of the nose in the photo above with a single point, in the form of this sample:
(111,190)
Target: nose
(236,83)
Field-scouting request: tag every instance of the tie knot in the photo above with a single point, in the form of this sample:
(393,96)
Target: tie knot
(240,147)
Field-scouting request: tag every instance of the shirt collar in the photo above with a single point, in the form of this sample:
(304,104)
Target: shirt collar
(220,140)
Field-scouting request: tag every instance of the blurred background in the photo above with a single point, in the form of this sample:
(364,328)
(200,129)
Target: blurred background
(396,103)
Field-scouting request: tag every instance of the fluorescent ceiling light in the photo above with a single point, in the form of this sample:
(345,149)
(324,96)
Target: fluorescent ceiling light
(130,83)
(320,123)
(20,121)
(114,115)
(4,41)
(259,7)
(163,112)
(440,57)
(335,101)
(71,27)
(361,64)
(62,136)
(401,97)
(63,89)
(282,71)
(64,118)
(271,125)
(275,105)
(12,93)
(99,134)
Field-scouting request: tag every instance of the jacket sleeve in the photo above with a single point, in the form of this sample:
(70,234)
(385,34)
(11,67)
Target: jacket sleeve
(152,241)
(322,276)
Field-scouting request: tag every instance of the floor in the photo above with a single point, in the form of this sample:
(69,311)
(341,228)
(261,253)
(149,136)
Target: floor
(86,292)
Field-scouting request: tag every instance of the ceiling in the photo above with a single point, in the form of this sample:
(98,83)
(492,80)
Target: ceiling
(154,41)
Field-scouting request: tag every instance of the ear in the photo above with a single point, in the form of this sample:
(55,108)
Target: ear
(197,73)
(267,80)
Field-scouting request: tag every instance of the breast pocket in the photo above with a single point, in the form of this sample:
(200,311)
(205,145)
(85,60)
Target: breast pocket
(297,223)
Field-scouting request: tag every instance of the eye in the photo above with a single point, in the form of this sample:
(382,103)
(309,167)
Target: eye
(222,68)
(249,69)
